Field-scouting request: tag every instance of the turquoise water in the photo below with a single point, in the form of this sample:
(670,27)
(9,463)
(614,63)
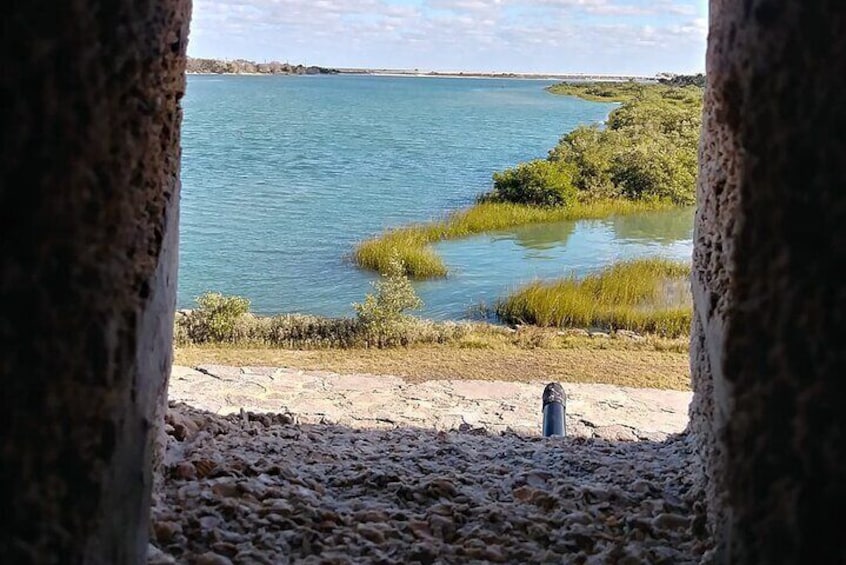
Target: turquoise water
(283,175)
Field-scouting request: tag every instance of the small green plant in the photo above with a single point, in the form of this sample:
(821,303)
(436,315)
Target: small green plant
(382,316)
(216,317)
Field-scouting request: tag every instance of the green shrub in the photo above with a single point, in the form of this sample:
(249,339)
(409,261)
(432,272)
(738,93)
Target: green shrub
(600,91)
(648,149)
(538,183)
(216,317)
(675,112)
(655,168)
(588,150)
(298,331)
(382,316)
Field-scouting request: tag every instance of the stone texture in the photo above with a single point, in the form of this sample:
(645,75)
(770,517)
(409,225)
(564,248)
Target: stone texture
(279,492)
(89,201)
(767,354)
(370,401)
(88,225)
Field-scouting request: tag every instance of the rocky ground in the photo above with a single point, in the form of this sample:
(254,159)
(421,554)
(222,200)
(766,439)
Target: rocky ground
(273,488)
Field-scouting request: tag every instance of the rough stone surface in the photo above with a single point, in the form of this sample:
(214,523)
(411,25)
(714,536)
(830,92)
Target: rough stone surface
(593,410)
(767,353)
(267,490)
(88,228)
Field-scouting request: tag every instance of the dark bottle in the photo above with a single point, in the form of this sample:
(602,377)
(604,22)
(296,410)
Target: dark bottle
(554,401)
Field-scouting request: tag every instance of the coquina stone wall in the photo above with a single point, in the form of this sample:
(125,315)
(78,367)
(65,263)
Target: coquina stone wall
(767,349)
(88,227)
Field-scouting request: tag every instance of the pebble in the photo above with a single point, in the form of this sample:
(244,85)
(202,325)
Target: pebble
(212,558)
(670,522)
(156,556)
(185,470)
(281,492)
(165,531)
(628,334)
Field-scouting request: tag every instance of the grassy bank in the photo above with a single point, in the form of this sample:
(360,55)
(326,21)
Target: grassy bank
(411,244)
(383,339)
(543,356)
(645,296)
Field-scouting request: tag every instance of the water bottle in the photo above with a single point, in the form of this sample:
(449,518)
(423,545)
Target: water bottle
(554,401)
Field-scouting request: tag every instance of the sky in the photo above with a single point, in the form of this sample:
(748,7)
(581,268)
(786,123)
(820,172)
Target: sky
(639,37)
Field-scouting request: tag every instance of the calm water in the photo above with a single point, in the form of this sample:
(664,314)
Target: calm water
(282,175)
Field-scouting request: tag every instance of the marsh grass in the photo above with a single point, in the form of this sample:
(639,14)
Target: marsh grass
(411,244)
(645,296)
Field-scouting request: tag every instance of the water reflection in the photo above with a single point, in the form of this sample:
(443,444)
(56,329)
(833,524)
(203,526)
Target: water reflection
(544,236)
(657,227)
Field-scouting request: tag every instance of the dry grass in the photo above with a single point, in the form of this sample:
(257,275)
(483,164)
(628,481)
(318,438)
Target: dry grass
(653,363)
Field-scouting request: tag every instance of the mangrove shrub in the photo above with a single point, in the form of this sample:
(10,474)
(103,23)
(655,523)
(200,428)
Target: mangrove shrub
(539,183)
(647,149)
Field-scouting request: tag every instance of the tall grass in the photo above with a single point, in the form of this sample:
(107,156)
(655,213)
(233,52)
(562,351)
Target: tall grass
(645,296)
(411,243)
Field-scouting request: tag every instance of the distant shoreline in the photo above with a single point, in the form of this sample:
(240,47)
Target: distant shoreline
(501,75)
(451,75)
(210,67)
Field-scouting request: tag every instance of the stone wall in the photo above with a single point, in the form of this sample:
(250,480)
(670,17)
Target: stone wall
(767,352)
(88,229)
(89,203)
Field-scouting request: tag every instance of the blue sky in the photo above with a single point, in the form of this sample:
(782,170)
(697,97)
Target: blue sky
(591,36)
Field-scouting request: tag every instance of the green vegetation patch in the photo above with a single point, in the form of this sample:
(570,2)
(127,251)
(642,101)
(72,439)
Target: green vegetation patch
(648,149)
(600,91)
(411,243)
(645,296)
(536,183)
(381,320)
(644,159)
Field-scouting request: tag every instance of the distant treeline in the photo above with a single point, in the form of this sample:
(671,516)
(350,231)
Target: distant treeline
(242,66)
(683,80)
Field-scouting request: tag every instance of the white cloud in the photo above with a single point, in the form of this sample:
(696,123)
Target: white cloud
(526,35)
